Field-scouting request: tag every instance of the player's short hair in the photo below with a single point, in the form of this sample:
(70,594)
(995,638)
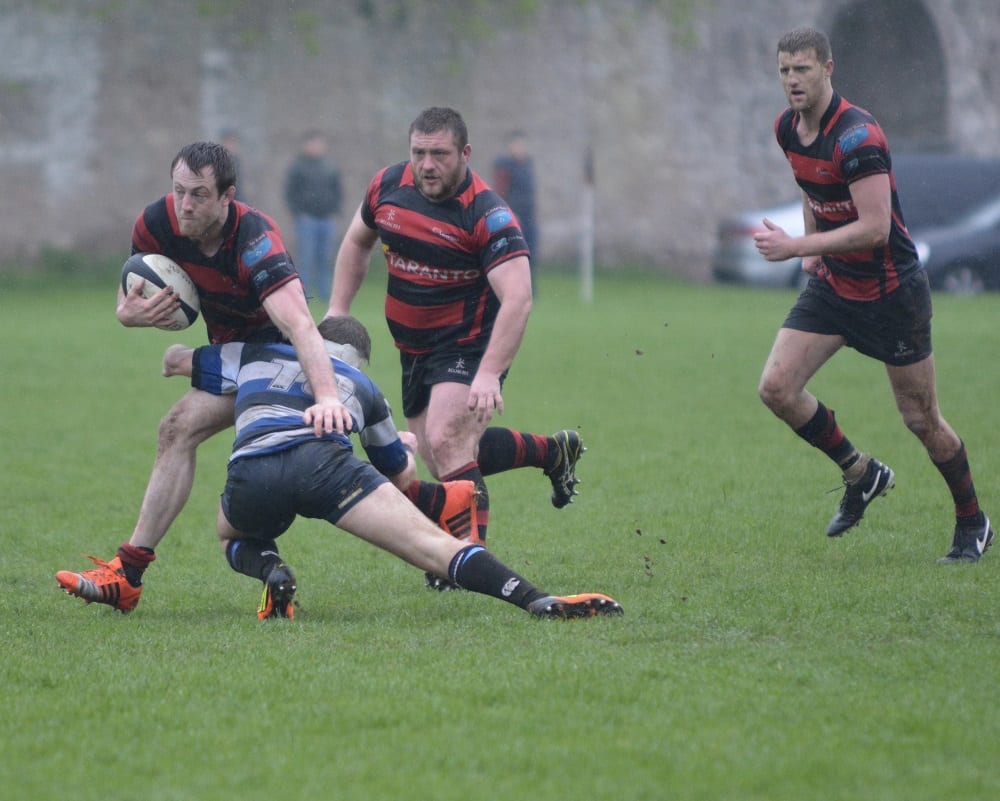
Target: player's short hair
(803,39)
(199,155)
(347,330)
(436,118)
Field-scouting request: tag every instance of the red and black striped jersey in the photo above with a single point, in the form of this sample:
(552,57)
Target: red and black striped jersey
(438,257)
(233,283)
(851,145)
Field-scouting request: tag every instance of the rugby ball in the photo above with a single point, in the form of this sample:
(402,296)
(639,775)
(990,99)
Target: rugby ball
(158,272)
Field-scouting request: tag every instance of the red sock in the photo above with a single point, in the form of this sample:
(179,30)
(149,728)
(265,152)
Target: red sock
(135,560)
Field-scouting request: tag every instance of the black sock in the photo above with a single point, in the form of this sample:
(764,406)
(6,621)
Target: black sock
(822,432)
(502,449)
(476,569)
(254,558)
(958,477)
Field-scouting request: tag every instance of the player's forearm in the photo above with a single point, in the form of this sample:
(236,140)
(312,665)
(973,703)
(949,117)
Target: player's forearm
(315,363)
(351,265)
(348,275)
(508,333)
(851,238)
(404,477)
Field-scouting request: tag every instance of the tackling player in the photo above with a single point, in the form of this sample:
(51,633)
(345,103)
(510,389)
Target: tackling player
(279,469)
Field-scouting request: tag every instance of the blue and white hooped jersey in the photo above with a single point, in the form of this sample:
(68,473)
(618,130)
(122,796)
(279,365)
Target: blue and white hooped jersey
(272,393)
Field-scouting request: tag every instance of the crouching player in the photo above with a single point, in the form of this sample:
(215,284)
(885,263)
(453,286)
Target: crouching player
(279,469)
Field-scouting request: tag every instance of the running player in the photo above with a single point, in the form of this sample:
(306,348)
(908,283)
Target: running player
(457,303)
(249,291)
(867,290)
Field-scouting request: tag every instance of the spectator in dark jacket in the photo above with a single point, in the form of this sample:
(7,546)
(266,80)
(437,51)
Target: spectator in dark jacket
(313,194)
(514,179)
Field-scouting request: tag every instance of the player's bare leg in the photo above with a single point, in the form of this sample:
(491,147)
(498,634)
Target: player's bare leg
(193,419)
(118,583)
(447,432)
(914,387)
(795,358)
(387,520)
(448,435)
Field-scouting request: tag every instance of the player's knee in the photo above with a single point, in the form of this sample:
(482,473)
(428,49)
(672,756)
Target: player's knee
(920,424)
(773,393)
(447,454)
(182,426)
(920,415)
(433,446)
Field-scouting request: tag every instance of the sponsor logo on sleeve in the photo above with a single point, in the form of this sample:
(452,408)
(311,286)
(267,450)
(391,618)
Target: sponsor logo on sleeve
(850,139)
(257,251)
(498,219)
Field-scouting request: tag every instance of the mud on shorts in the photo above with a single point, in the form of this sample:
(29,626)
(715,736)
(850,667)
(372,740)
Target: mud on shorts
(895,330)
(422,372)
(320,479)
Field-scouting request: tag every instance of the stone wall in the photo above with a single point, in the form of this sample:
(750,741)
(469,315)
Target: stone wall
(675,101)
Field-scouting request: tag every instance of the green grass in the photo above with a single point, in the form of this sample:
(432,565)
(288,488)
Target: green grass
(757,658)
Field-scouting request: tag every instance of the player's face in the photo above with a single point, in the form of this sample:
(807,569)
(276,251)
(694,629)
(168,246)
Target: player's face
(806,80)
(438,165)
(201,211)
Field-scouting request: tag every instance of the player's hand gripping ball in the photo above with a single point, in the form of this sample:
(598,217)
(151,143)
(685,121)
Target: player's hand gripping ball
(158,272)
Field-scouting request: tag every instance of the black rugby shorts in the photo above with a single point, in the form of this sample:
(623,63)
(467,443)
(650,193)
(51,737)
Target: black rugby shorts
(420,373)
(320,479)
(895,330)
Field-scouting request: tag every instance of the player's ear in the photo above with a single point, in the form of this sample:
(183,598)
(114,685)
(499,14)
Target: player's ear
(229,194)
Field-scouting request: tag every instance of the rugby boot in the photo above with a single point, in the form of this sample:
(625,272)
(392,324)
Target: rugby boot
(970,541)
(104,584)
(877,481)
(279,589)
(563,473)
(587,604)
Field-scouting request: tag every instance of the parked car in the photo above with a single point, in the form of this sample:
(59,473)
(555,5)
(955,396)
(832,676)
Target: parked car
(964,256)
(736,258)
(951,205)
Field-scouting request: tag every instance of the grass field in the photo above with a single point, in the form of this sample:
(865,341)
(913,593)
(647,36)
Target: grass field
(757,659)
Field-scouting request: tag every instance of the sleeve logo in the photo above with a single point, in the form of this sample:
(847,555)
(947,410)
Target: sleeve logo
(852,138)
(257,251)
(498,219)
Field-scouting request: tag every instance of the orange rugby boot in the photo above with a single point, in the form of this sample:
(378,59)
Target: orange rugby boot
(104,584)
